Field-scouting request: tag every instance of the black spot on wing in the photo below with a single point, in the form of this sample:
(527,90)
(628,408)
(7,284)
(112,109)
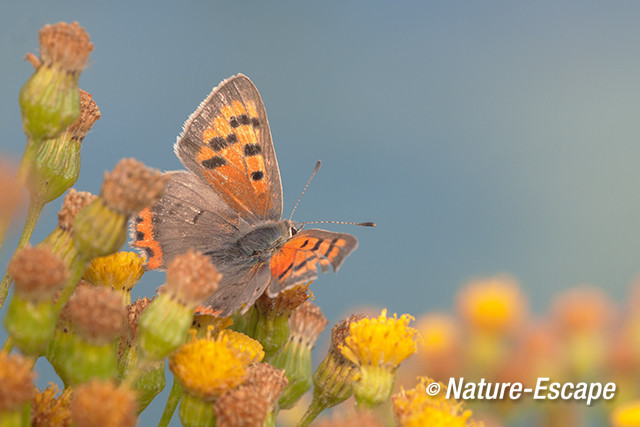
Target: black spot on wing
(252,150)
(214,162)
(218,143)
(139,236)
(257,176)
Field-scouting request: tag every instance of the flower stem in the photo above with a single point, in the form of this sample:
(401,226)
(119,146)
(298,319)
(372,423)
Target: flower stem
(314,409)
(172,403)
(36,204)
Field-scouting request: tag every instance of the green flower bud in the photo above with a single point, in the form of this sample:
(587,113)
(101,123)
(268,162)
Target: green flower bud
(99,230)
(272,327)
(164,326)
(16,390)
(196,412)
(96,316)
(49,100)
(306,323)
(31,318)
(56,165)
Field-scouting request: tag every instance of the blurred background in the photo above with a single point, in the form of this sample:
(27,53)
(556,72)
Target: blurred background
(482,138)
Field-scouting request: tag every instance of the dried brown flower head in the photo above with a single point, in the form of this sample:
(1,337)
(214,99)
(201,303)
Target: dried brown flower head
(65,47)
(103,404)
(285,302)
(37,272)
(96,313)
(241,407)
(191,277)
(51,410)
(339,333)
(89,114)
(73,203)
(266,381)
(307,322)
(132,186)
(16,381)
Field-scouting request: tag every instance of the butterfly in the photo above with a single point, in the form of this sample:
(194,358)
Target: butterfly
(228,205)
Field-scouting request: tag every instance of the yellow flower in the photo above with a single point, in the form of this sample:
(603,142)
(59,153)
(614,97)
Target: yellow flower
(493,305)
(377,346)
(119,271)
(246,347)
(415,408)
(383,341)
(208,367)
(627,415)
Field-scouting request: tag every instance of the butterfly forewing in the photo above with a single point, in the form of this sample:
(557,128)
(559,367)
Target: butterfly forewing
(227,142)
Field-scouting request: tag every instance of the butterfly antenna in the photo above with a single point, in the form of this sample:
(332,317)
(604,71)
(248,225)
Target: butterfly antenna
(363,224)
(315,170)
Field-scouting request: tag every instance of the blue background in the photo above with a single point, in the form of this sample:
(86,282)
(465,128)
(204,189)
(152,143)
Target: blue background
(482,137)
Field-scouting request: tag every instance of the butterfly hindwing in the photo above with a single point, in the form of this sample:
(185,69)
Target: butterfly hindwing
(227,143)
(301,256)
(189,216)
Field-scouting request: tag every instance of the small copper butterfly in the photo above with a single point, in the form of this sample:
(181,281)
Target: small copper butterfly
(228,205)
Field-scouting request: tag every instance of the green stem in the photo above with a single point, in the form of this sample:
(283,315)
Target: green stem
(172,403)
(27,161)
(4,225)
(314,409)
(35,208)
(76,269)
(8,345)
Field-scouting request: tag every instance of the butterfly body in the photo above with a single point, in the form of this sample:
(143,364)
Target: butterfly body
(228,205)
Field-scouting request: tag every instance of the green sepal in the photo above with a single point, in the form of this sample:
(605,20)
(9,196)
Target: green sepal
(31,324)
(195,412)
(163,327)
(56,167)
(99,230)
(374,386)
(84,361)
(295,359)
(50,102)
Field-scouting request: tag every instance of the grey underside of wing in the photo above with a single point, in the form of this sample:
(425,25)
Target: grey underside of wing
(193,217)
(240,289)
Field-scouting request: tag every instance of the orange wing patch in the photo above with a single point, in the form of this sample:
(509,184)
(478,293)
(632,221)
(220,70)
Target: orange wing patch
(144,239)
(233,158)
(300,257)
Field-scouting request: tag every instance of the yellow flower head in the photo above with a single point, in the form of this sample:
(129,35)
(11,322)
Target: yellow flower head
(119,271)
(626,415)
(492,305)
(414,408)
(439,332)
(246,347)
(208,367)
(382,341)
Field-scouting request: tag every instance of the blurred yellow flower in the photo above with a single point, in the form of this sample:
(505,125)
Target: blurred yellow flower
(494,305)
(627,415)
(415,408)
